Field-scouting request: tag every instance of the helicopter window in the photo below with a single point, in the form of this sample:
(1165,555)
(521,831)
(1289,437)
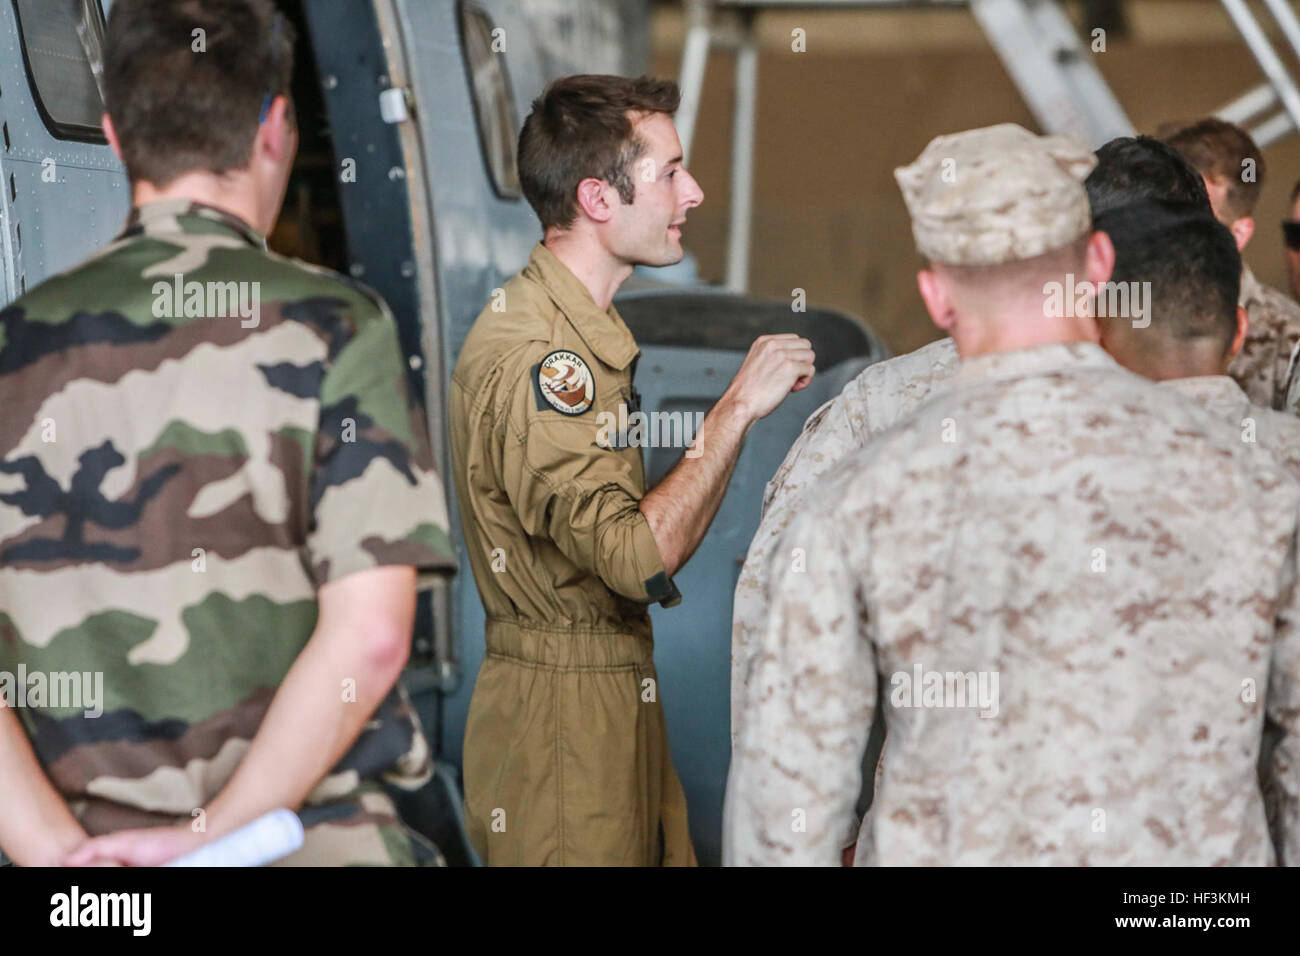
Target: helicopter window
(63,49)
(494,106)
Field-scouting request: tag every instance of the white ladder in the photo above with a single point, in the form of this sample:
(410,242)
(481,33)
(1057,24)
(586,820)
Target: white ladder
(1039,47)
(1278,89)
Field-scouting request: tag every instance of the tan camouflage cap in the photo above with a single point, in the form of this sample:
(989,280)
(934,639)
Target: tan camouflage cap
(998,194)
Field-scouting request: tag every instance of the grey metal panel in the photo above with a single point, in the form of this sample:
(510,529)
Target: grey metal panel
(64,221)
(482,239)
(693,640)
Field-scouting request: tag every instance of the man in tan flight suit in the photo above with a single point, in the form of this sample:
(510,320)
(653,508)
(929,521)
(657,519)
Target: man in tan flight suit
(566,755)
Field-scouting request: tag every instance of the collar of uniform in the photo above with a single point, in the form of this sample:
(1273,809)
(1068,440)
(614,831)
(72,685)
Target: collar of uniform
(604,332)
(1037,360)
(1249,287)
(187,216)
(1209,390)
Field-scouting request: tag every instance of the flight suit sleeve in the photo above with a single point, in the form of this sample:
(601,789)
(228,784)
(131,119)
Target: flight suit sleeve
(809,698)
(567,484)
(1281,782)
(375,497)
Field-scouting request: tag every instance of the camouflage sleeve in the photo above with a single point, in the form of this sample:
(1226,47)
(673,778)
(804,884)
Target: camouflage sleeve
(376,499)
(1291,404)
(1282,773)
(796,453)
(809,697)
(567,485)
(827,437)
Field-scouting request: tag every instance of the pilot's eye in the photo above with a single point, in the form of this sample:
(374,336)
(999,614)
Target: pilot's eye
(672,174)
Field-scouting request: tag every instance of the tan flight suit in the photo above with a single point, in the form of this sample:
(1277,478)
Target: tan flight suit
(566,755)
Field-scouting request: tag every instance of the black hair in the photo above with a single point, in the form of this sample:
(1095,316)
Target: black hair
(1132,168)
(1190,259)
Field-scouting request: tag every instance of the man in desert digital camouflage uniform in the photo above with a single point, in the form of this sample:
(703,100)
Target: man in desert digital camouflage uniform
(1233,168)
(1191,328)
(1187,338)
(1045,538)
(215,493)
(1129,170)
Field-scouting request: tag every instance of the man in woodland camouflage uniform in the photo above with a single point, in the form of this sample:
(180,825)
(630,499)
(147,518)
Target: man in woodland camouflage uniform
(215,492)
(1078,632)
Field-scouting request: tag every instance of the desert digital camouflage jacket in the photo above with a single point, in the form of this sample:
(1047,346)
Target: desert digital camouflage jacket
(1078,593)
(876,399)
(178,477)
(1263,367)
(1270,432)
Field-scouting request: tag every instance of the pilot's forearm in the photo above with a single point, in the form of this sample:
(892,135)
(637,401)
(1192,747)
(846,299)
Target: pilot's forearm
(36,827)
(681,507)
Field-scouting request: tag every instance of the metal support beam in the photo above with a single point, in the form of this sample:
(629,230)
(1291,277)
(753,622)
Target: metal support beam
(1249,105)
(1054,72)
(695,57)
(1285,16)
(1264,54)
(743,126)
(1271,130)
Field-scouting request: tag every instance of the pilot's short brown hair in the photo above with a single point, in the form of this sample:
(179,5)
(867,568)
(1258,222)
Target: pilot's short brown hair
(186,81)
(581,128)
(1223,152)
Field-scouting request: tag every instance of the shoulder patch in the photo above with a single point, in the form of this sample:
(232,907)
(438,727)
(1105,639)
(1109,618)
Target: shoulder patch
(563,380)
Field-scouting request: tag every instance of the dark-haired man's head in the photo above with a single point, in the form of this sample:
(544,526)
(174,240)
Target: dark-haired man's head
(1186,268)
(1231,165)
(1133,168)
(197,93)
(599,158)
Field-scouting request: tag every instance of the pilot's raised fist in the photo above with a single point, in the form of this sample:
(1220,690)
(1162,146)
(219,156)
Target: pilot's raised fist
(775,366)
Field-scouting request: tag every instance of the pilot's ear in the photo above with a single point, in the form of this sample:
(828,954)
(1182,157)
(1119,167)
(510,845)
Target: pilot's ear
(110,134)
(593,197)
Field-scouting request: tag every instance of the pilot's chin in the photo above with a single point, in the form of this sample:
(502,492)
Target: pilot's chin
(672,255)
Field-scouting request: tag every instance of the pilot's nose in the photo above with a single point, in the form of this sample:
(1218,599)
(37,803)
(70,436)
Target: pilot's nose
(693,195)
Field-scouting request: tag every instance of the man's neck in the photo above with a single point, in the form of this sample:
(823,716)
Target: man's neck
(595,268)
(975,338)
(1163,364)
(231,194)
